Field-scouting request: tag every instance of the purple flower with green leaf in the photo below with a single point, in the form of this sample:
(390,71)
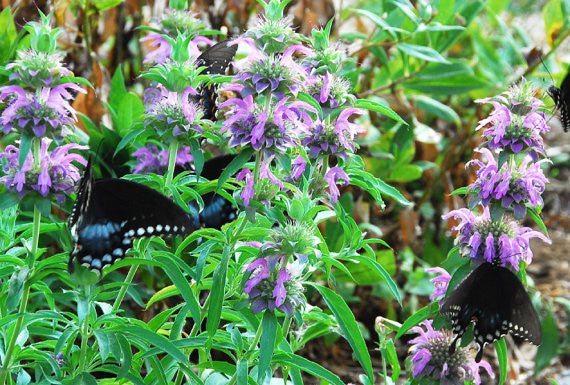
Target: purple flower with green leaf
(332,176)
(169,113)
(480,238)
(330,90)
(511,185)
(152,160)
(46,112)
(440,282)
(430,358)
(52,173)
(37,69)
(276,74)
(272,35)
(332,138)
(272,286)
(272,128)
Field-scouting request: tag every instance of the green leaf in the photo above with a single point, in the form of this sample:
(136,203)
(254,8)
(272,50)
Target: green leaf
(379,269)
(16,287)
(267,344)
(8,36)
(460,191)
(103,5)
(118,89)
(130,111)
(157,340)
(501,348)
(390,355)
(8,200)
(25,148)
(537,219)
(306,366)
(422,52)
(197,155)
(419,316)
(128,139)
(349,327)
(453,85)
(232,168)
(549,347)
(217,294)
(103,342)
(380,108)
(437,108)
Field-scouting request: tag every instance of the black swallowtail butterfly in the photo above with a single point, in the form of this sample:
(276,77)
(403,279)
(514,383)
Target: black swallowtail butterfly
(496,301)
(110,213)
(216,59)
(561,97)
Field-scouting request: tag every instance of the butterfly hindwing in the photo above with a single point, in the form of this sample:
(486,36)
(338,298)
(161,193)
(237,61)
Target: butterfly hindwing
(114,212)
(561,97)
(496,301)
(216,60)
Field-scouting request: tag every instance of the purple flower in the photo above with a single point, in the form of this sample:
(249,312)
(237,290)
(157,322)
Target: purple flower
(58,358)
(46,112)
(330,90)
(298,167)
(332,177)
(247,192)
(152,160)
(170,113)
(265,172)
(277,74)
(53,173)
(430,358)
(329,138)
(516,123)
(37,69)
(512,185)
(271,129)
(483,239)
(272,286)
(440,282)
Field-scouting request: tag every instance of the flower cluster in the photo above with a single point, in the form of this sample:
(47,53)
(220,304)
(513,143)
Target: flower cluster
(52,172)
(430,358)
(512,185)
(174,22)
(516,123)
(481,238)
(268,116)
(38,107)
(275,282)
(169,113)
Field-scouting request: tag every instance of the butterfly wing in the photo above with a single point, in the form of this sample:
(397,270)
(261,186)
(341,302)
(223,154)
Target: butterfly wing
(117,212)
(216,60)
(561,97)
(83,192)
(496,301)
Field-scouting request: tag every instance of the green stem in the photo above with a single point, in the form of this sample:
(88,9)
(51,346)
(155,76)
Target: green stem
(257,167)
(84,333)
(252,346)
(125,287)
(25,296)
(172,152)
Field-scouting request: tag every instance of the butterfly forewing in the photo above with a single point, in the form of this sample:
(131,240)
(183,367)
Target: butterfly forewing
(496,301)
(216,60)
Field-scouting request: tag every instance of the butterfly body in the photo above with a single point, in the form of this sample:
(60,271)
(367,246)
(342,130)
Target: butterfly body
(109,214)
(216,60)
(561,97)
(496,301)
